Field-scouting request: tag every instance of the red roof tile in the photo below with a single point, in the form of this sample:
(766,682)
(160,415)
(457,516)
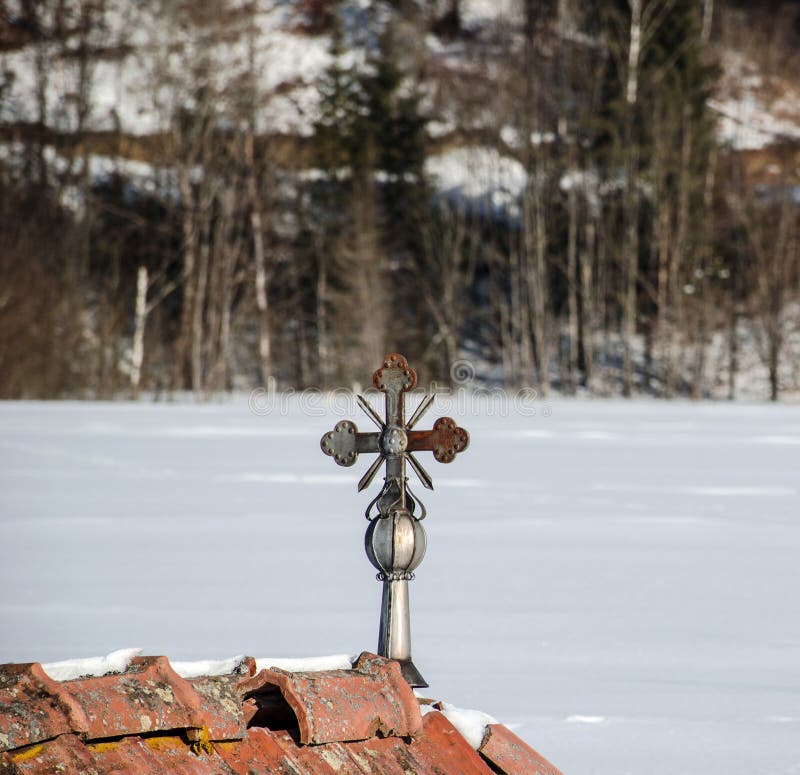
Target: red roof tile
(260,750)
(156,756)
(150,720)
(34,707)
(220,701)
(445,750)
(148,697)
(63,754)
(344,705)
(511,755)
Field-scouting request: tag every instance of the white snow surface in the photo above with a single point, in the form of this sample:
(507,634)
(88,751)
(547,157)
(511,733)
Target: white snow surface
(210,667)
(616,581)
(207,667)
(307,664)
(151,74)
(470,723)
(754,110)
(69,669)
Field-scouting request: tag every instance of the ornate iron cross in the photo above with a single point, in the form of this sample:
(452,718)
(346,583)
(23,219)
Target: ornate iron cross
(395,541)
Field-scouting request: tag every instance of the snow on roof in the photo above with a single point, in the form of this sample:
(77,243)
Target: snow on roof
(365,718)
(472,724)
(307,664)
(70,669)
(119,661)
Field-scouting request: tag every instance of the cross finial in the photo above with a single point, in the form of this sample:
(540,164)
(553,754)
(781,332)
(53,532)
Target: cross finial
(395,540)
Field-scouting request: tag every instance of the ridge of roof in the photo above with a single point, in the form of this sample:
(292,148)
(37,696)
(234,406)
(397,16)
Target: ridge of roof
(147,718)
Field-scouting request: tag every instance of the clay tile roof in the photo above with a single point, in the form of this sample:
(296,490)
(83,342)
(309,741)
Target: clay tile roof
(374,695)
(148,719)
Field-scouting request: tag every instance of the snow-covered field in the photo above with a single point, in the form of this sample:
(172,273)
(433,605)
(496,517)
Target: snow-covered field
(619,580)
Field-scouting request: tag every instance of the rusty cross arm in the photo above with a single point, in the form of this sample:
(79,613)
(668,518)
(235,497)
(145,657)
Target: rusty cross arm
(444,440)
(396,440)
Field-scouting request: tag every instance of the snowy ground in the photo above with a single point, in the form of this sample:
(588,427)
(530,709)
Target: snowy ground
(619,580)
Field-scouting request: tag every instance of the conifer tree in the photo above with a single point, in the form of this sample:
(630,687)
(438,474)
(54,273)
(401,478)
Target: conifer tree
(370,146)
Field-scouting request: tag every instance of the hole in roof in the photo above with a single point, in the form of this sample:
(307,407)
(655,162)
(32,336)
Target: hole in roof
(272,711)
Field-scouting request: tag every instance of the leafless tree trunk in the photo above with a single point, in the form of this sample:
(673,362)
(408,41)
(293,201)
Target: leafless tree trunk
(188,248)
(521,349)
(534,240)
(772,232)
(324,354)
(630,246)
(572,281)
(227,249)
(369,279)
(140,317)
(703,326)
(260,263)
(733,349)
(587,292)
(199,308)
(447,275)
(708,19)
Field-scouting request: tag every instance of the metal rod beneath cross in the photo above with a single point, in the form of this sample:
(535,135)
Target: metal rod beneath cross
(395,541)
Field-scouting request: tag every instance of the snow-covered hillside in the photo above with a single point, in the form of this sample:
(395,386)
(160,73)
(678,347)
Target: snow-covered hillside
(755,110)
(151,62)
(617,580)
(151,67)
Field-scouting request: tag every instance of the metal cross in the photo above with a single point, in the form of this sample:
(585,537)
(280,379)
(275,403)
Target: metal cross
(395,541)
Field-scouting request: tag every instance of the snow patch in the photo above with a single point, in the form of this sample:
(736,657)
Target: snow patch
(70,669)
(212,667)
(578,719)
(470,723)
(478,173)
(755,110)
(307,664)
(207,667)
(475,13)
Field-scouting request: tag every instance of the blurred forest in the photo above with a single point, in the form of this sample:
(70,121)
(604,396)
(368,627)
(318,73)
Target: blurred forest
(583,197)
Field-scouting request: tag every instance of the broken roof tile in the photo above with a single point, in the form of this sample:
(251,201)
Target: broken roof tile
(345,705)
(148,697)
(221,704)
(34,707)
(511,755)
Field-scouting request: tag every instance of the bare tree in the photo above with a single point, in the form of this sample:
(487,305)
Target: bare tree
(772,235)
(447,274)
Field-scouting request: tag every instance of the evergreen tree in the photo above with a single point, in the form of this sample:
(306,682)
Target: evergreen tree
(370,145)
